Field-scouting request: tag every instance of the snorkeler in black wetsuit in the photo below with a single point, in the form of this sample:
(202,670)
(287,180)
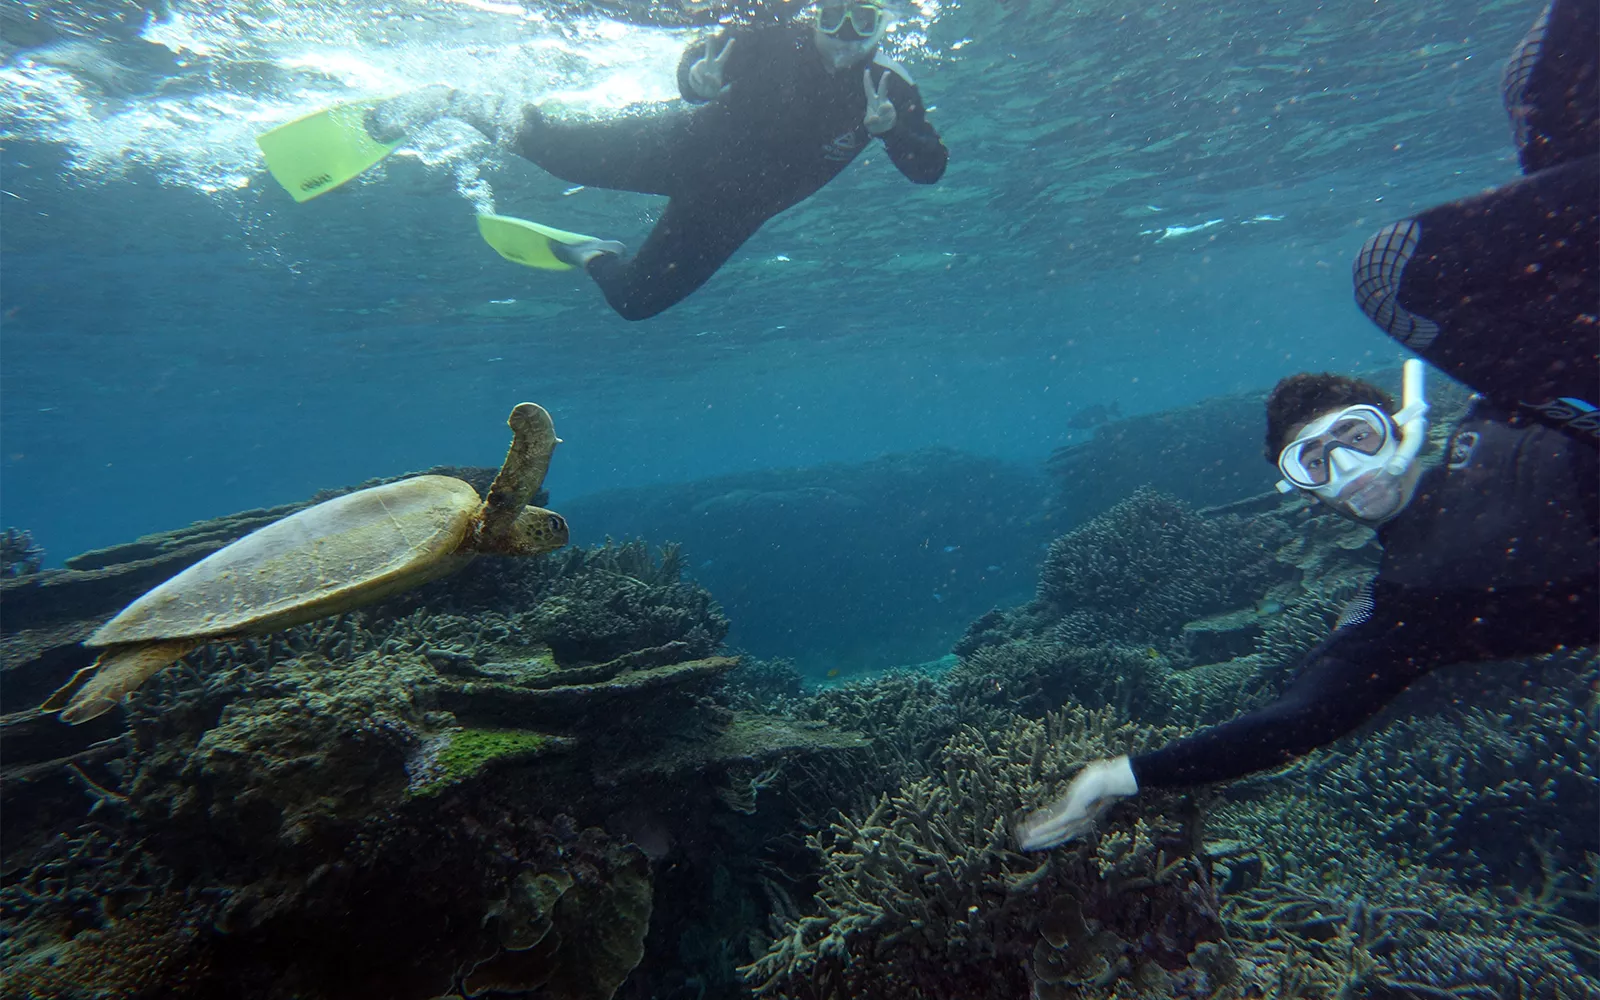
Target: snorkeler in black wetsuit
(769,115)
(1494,554)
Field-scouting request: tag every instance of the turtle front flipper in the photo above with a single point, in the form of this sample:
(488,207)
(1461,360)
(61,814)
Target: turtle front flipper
(533,439)
(96,689)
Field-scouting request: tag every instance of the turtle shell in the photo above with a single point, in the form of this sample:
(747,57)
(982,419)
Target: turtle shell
(340,554)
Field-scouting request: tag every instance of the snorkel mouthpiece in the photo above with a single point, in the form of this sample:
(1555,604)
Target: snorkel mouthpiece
(1412,420)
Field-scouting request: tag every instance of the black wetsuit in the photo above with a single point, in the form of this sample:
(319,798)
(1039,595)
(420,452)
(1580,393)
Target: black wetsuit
(785,127)
(1495,557)
(1502,290)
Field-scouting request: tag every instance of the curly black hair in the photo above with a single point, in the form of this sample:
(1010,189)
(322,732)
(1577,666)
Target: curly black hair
(1299,398)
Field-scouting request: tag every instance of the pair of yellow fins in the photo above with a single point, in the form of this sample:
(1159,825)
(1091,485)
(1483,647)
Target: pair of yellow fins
(311,156)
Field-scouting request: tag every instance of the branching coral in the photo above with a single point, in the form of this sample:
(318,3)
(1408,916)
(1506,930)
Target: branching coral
(922,895)
(1137,573)
(19,554)
(1447,855)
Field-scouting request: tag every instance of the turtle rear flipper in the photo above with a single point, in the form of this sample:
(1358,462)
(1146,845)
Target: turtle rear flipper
(96,689)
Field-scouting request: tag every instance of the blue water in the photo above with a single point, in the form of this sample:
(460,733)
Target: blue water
(178,340)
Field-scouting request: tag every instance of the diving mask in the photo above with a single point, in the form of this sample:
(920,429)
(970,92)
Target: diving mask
(1335,450)
(863,17)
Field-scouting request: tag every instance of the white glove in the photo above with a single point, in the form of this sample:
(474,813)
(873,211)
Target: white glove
(705,76)
(880,110)
(1095,789)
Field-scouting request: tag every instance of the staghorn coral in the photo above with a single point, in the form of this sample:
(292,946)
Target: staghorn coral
(1033,677)
(1137,573)
(765,685)
(1444,855)
(20,555)
(922,896)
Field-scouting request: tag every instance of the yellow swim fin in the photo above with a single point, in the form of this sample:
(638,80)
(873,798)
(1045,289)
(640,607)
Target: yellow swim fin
(527,243)
(315,154)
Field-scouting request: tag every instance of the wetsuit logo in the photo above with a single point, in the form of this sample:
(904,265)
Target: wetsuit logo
(1461,449)
(1574,413)
(843,148)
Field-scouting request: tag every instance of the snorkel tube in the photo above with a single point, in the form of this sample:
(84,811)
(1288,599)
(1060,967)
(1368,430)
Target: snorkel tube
(1412,421)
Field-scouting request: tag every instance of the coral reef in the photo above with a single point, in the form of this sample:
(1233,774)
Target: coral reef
(922,895)
(19,554)
(540,778)
(1150,564)
(1445,855)
(419,797)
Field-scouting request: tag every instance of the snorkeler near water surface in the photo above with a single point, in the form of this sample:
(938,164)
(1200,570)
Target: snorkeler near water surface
(768,116)
(1493,554)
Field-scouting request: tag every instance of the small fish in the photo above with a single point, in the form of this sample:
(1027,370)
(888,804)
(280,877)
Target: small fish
(951,548)
(938,597)
(835,672)
(991,569)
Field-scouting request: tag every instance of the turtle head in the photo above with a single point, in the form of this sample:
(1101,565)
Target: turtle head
(535,530)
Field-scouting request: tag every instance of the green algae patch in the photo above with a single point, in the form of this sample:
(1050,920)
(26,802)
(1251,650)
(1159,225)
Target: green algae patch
(469,751)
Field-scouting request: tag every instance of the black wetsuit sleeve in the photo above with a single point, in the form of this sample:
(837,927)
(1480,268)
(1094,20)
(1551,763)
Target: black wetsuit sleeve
(1360,668)
(913,145)
(1342,682)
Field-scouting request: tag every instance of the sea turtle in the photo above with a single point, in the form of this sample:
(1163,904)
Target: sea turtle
(326,559)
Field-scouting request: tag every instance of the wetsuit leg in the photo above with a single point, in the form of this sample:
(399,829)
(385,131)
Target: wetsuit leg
(1552,86)
(690,242)
(1501,291)
(649,153)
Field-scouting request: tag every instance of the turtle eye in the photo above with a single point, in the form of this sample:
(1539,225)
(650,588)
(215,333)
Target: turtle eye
(558,524)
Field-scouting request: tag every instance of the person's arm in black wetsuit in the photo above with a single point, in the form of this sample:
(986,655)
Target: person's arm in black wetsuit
(1343,682)
(913,144)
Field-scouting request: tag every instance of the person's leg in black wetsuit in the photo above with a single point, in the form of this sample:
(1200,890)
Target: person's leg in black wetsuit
(651,154)
(693,238)
(1502,290)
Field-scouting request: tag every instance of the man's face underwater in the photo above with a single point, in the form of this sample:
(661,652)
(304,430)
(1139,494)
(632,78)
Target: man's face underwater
(846,33)
(1371,498)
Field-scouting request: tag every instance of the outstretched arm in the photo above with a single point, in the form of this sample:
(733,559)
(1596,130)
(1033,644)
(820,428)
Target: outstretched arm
(913,145)
(1342,683)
